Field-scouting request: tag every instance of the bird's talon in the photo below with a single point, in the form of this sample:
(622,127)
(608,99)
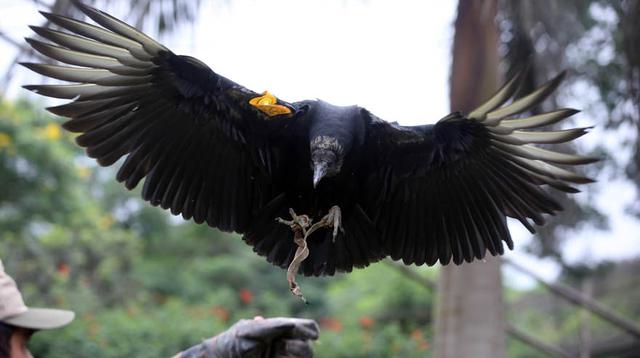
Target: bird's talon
(300,221)
(334,219)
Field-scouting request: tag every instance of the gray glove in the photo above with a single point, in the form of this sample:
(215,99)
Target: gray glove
(260,338)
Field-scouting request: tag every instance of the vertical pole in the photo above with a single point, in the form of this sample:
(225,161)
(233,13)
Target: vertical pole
(470,310)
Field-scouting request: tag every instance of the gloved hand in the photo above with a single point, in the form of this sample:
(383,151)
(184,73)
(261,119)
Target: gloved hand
(260,338)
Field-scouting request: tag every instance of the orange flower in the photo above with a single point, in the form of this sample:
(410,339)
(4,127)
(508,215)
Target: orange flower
(419,339)
(366,322)
(330,323)
(246,296)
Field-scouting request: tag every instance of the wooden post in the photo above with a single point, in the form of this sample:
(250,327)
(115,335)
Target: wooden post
(513,331)
(470,311)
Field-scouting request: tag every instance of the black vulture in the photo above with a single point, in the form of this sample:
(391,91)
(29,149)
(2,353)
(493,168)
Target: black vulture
(217,152)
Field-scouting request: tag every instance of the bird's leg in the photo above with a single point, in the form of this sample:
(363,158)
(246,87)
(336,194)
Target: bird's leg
(299,225)
(302,228)
(301,221)
(332,219)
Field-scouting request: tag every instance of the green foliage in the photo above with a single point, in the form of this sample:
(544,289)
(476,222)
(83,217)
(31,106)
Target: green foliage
(35,158)
(133,330)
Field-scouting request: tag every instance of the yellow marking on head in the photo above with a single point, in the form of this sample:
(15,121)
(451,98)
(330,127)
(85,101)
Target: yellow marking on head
(267,103)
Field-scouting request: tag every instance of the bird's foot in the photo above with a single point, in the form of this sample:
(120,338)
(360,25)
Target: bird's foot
(333,219)
(302,228)
(299,225)
(297,222)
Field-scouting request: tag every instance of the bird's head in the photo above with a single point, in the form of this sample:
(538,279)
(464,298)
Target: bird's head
(327,155)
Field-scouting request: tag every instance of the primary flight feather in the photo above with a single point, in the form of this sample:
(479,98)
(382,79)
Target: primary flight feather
(219,153)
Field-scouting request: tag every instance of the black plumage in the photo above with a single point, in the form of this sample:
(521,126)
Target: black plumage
(216,152)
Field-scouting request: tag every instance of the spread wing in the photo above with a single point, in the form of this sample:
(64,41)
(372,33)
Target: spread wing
(202,147)
(443,191)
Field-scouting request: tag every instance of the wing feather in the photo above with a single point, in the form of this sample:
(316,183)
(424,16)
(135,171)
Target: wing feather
(525,102)
(84,45)
(121,28)
(478,169)
(188,132)
(99,34)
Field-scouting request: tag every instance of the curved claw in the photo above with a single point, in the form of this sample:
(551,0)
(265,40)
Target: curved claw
(335,220)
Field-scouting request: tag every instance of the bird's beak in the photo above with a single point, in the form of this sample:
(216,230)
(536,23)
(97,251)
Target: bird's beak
(319,170)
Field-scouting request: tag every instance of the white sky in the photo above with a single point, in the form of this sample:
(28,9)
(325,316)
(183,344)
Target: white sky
(391,57)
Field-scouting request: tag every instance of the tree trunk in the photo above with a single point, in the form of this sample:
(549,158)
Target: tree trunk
(470,311)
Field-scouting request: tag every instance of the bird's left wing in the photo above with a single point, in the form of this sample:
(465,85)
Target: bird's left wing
(443,191)
(201,140)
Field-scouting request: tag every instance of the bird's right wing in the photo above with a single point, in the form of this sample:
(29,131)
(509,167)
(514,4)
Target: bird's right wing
(443,191)
(200,140)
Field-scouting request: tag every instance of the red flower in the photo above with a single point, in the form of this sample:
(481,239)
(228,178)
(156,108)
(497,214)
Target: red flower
(246,296)
(419,339)
(330,323)
(366,322)
(63,270)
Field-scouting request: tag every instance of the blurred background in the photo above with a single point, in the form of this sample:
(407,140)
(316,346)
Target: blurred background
(146,284)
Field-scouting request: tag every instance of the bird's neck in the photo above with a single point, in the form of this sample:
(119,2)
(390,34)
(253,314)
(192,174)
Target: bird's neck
(333,127)
(327,143)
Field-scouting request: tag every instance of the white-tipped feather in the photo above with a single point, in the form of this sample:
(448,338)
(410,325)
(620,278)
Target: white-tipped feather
(499,130)
(73,57)
(497,99)
(520,137)
(78,43)
(119,27)
(543,179)
(66,91)
(545,169)
(531,152)
(551,137)
(86,91)
(551,170)
(526,102)
(99,34)
(538,120)
(85,75)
